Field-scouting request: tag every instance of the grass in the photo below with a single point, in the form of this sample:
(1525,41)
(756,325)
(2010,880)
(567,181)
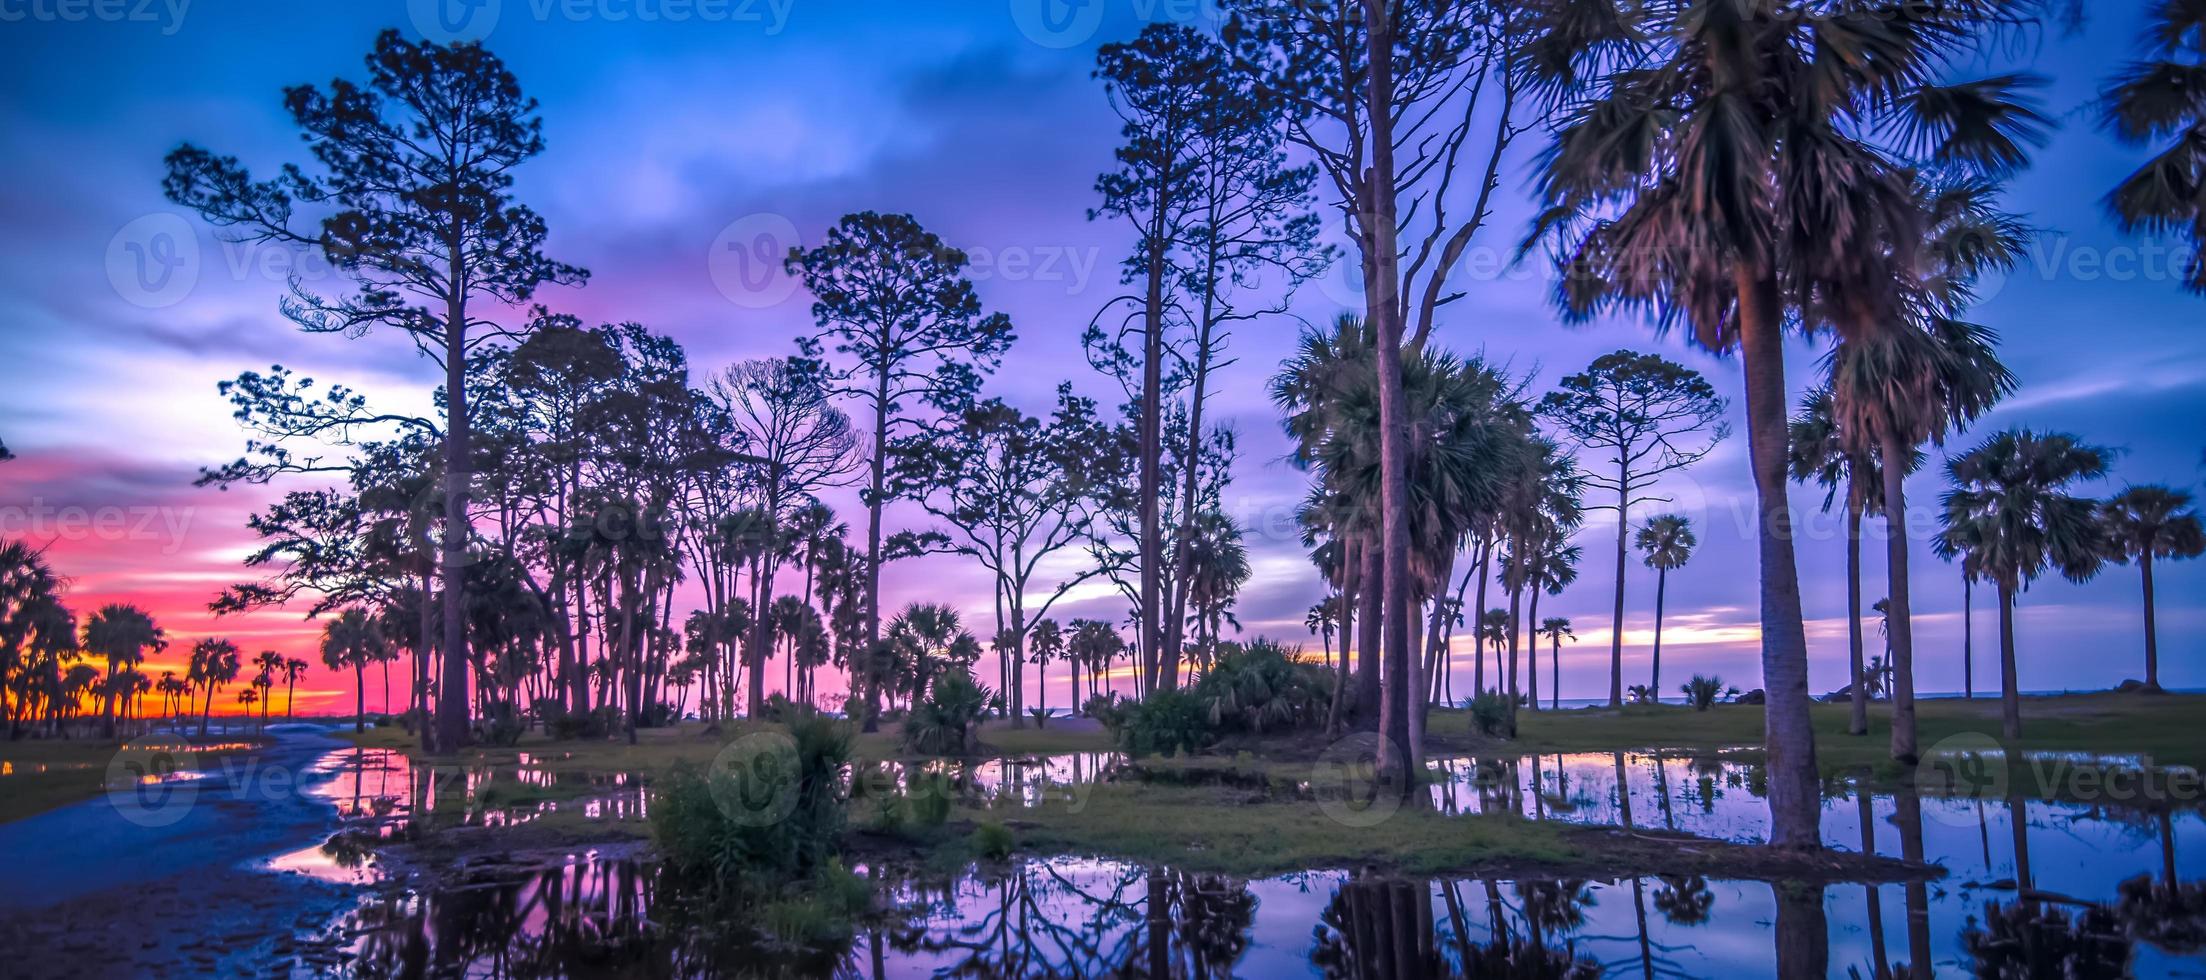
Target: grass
(2165,728)
(75,769)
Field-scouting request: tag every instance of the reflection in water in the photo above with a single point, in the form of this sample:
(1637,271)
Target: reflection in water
(2084,889)
(1086,917)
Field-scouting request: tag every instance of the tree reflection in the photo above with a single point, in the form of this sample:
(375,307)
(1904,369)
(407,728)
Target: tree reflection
(1384,928)
(2167,915)
(2035,939)
(1037,920)
(1685,900)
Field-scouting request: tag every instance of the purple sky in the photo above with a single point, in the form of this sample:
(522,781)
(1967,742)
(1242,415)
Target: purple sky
(669,137)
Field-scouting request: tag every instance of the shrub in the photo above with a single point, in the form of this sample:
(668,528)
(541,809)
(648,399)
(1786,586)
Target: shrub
(947,721)
(502,725)
(1108,709)
(1167,722)
(1639,694)
(1489,713)
(776,811)
(1260,687)
(992,841)
(1701,692)
(595,723)
(1041,716)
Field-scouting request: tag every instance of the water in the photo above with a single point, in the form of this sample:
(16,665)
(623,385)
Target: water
(2088,890)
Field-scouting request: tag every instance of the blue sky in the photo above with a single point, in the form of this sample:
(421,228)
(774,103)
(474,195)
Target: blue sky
(675,128)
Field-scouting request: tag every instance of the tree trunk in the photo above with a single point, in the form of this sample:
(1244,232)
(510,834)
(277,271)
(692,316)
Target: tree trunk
(452,688)
(1151,465)
(1858,721)
(1370,596)
(359,697)
(1532,648)
(1662,587)
(1795,800)
(1968,636)
(1399,755)
(1899,618)
(1616,626)
(1349,563)
(1477,617)
(874,503)
(2152,638)
(1555,678)
(2010,699)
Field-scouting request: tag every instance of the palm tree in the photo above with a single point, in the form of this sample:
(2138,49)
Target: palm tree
(1045,642)
(1820,452)
(354,640)
(2150,522)
(2152,102)
(1217,565)
(214,664)
(1493,632)
(929,640)
(1900,388)
(292,668)
(122,634)
(1322,619)
(267,664)
(1698,179)
(1667,541)
(1094,644)
(2010,506)
(1555,628)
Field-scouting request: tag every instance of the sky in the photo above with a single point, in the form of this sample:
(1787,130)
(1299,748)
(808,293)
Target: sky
(676,129)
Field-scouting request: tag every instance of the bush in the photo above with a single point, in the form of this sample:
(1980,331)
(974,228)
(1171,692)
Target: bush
(1260,687)
(1041,716)
(502,725)
(595,723)
(1108,709)
(1701,692)
(947,721)
(992,841)
(1490,714)
(820,910)
(775,809)
(1167,722)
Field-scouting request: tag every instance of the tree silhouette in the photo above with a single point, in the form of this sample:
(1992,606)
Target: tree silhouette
(2145,523)
(1649,417)
(893,301)
(416,194)
(1667,541)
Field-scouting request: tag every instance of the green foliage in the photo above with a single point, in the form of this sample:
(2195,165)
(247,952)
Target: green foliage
(1109,710)
(1701,692)
(948,720)
(820,910)
(1260,687)
(769,806)
(992,841)
(1639,694)
(1490,714)
(1166,723)
(1041,716)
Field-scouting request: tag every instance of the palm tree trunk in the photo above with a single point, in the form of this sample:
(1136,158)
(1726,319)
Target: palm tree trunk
(1968,636)
(1795,801)
(1399,752)
(1858,722)
(1532,649)
(359,697)
(1477,617)
(1348,567)
(2152,638)
(2010,699)
(1662,587)
(1371,595)
(1900,624)
(1555,664)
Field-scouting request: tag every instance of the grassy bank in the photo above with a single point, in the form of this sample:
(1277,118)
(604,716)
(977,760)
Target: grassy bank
(37,775)
(2167,728)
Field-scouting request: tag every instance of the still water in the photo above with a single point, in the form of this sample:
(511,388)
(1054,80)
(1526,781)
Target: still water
(2051,889)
